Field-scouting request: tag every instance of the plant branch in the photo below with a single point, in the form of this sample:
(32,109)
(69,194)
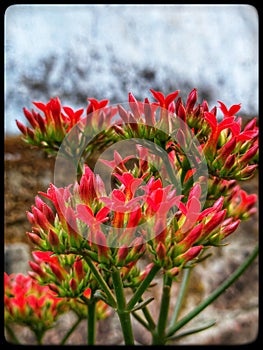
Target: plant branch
(221,289)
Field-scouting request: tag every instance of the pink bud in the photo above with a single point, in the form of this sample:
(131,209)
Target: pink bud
(248,171)
(174,271)
(123,114)
(230,161)
(53,287)
(41,123)
(249,154)
(53,239)
(40,218)
(251,125)
(29,116)
(230,228)
(73,284)
(30,217)
(191,238)
(122,253)
(161,251)
(191,100)
(21,127)
(214,222)
(148,113)
(78,266)
(134,106)
(181,112)
(191,253)
(30,133)
(227,148)
(57,271)
(35,239)
(36,268)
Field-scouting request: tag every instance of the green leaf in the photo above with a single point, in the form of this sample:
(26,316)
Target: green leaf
(142,304)
(200,328)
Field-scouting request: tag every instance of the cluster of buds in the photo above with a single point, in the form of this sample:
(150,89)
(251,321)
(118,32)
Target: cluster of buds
(171,194)
(190,230)
(30,304)
(117,229)
(68,276)
(229,151)
(48,130)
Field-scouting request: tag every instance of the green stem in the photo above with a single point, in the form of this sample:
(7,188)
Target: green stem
(141,321)
(91,331)
(72,329)
(237,273)
(99,278)
(12,334)
(39,336)
(150,324)
(159,333)
(149,318)
(142,287)
(123,313)
(180,297)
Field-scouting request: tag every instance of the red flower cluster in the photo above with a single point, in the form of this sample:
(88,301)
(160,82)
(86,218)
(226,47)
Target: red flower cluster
(30,304)
(175,195)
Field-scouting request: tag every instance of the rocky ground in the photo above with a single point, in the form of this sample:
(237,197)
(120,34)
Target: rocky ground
(28,171)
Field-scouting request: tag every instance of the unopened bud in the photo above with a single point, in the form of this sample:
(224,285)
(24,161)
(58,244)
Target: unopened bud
(161,251)
(73,284)
(122,254)
(53,239)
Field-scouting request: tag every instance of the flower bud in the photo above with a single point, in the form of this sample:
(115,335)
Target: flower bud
(36,268)
(214,222)
(21,127)
(173,272)
(188,255)
(73,284)
(190,239)
(230,228)
(40,218)
(79,270)
(161,251)
(35,239)
(247,172)
(230,161)
(53,239)
(57,271)
(122,254)
(249,155)
(228,148)
(191,100)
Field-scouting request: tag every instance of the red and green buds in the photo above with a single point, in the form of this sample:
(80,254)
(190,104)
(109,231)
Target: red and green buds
(172,193)
(28,303)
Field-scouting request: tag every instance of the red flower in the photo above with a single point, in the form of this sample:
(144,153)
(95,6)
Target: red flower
(165,102)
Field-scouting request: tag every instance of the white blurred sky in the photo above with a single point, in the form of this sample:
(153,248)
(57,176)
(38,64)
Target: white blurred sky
(204,44)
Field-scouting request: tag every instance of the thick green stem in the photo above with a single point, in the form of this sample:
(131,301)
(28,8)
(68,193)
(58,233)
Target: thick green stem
(99,278)
(91,331)
(221,289)
(159,337)
(123,313)
(142,287)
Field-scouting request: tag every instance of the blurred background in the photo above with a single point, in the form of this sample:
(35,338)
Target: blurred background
(105,51)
